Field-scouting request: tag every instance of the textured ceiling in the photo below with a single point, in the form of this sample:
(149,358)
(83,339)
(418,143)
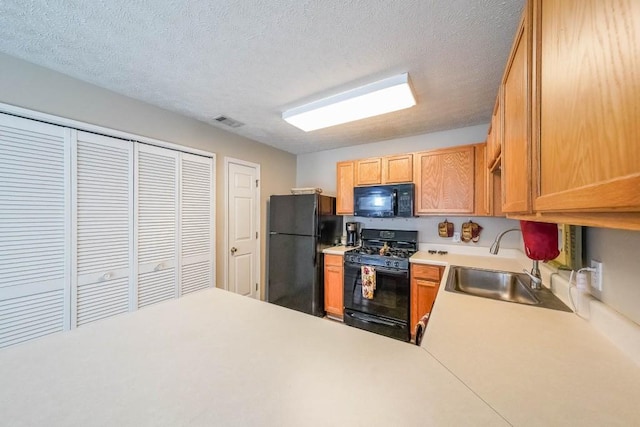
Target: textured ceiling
(253,59)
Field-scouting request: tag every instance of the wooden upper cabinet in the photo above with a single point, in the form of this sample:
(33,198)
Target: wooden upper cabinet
(372,171)
(517,124)
(445,181)
(589,98)
(369,171)
(397,169)
(345,180)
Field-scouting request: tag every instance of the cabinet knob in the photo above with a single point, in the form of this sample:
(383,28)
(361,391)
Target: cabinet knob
(159,267)
(234,250)
(106,276)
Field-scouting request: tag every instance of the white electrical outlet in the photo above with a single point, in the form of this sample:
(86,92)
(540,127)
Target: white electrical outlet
(596,276)
(456,237)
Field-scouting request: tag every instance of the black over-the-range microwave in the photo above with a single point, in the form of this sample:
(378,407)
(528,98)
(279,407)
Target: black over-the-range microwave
(384,201)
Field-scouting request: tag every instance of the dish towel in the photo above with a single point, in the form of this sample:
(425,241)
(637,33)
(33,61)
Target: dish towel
(420,327)
(368,281)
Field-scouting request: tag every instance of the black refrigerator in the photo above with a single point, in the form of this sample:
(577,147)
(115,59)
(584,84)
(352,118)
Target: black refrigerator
(300,227)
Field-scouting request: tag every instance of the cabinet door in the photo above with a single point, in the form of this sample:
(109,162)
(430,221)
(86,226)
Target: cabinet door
(397,169)
(345,181)
(196,223)
(104,233)
(516,126)
(425,282)
(589,106)
(333,285)
(445,181)
(157,220)
(425,297)
(369,171)
(34,224)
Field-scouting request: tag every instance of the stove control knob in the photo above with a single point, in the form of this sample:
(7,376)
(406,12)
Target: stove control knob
(396,264)
(387,263)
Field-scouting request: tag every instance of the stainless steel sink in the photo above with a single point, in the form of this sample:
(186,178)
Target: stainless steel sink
(502,286)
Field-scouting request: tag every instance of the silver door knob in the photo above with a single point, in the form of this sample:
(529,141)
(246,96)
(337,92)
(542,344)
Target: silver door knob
(234,250)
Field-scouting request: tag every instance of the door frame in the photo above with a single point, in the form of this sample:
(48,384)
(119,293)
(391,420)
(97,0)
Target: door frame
(256,213)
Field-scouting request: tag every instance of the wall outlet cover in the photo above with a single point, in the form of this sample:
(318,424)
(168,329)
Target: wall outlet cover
(456,237)
(596,276)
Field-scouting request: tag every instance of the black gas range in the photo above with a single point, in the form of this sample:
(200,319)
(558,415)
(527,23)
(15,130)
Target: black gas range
(385,254)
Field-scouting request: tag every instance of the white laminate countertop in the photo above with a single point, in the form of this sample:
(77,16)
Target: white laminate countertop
(534,366)
(215,358)
(338,250)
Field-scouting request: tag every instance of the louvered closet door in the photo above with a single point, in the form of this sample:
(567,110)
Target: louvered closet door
(197,207)
(157,199)
(34,220)
(104,217)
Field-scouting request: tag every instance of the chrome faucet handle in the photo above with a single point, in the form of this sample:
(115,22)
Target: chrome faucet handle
(536,282)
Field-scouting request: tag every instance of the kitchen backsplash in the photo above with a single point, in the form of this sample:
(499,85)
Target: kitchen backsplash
(427,228)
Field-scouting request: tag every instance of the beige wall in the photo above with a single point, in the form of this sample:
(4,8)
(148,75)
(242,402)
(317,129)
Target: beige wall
(26,85)
(618,250)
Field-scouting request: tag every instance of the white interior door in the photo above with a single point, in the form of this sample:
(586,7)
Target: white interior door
(103,199)
(196,223)
(34,222)
(243,252)
(157,219)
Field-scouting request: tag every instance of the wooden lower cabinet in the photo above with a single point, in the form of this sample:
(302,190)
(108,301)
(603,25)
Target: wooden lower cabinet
(333,286)
(425,282)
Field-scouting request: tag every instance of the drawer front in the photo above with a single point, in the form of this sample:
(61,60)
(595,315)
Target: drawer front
(427,272)
(333,260)
(426,283)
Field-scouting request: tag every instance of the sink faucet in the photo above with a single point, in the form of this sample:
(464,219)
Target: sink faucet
(495,247)
(534,274)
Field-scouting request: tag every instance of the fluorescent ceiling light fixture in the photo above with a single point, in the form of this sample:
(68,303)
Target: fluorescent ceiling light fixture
(384,96)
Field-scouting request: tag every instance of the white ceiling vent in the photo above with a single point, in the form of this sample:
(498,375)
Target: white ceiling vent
(228,121)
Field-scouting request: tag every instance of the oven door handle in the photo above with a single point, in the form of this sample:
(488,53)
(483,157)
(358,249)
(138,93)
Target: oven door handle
(391,271)
(374,320)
